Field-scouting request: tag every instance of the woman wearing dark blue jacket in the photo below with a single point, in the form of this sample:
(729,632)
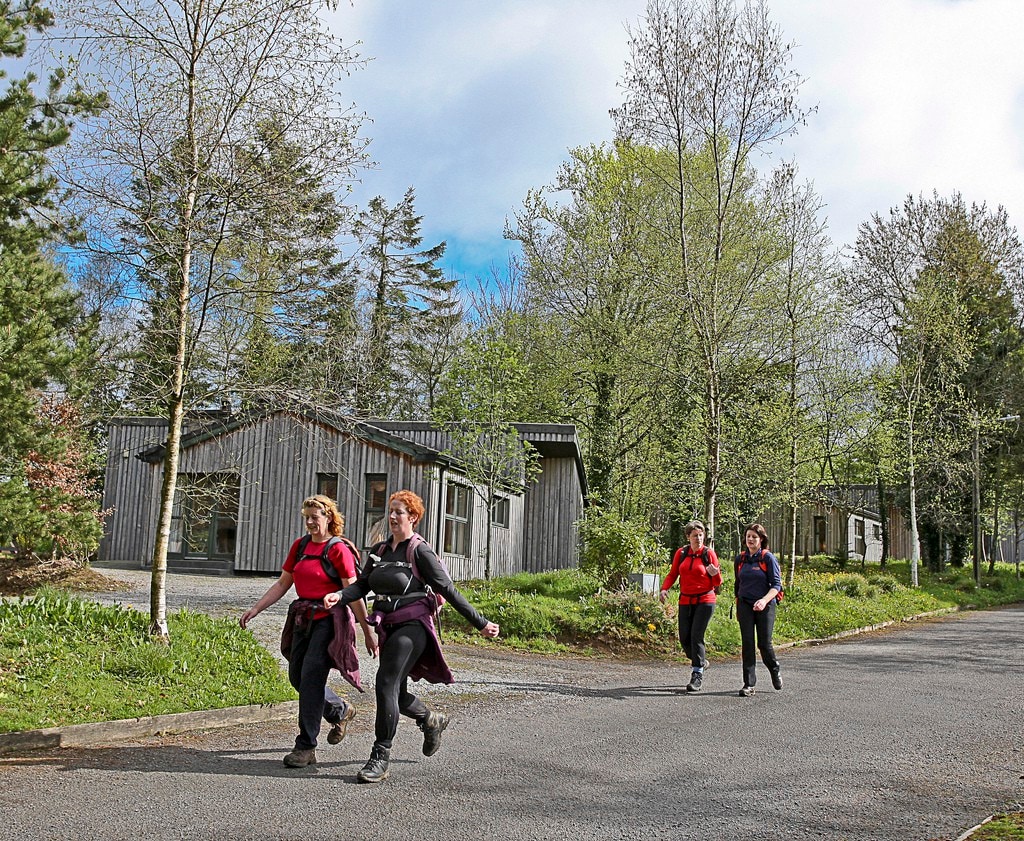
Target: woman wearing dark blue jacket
(758,582)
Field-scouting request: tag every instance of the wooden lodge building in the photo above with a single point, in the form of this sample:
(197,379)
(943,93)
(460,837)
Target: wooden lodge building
(845,522)
(242,479)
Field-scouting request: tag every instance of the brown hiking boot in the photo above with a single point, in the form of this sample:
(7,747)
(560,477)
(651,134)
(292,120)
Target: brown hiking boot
(300,758)
(433,726)
(338,729)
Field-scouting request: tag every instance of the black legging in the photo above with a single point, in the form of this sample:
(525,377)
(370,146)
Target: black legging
(403,647)
(693,625)
(763,622)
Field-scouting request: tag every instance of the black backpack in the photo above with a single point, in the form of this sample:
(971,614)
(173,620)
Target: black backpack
(325,562)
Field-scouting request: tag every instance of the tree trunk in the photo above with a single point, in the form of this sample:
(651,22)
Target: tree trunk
(883,515)
(915,540)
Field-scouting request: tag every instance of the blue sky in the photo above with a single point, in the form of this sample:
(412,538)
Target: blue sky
(474,102)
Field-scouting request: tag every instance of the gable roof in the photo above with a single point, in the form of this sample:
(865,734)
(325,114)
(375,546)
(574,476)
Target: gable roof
(420,440)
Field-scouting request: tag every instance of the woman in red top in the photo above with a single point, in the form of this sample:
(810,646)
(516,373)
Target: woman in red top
(310,658)
(696,567)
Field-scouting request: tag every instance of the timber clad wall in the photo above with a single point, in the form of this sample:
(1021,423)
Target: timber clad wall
(551,517)
(130,531)
(274,461)
(842,525)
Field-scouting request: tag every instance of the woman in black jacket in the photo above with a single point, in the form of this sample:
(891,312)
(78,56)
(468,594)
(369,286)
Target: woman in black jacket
(406,577)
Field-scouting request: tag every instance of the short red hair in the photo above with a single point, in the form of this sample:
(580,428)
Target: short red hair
(413,504)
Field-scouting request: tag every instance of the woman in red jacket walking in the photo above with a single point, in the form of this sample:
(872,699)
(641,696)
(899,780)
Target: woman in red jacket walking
(696,567)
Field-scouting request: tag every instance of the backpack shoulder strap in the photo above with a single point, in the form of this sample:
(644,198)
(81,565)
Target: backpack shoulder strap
(410,552)
(355,552)
(329,569)
(303,544)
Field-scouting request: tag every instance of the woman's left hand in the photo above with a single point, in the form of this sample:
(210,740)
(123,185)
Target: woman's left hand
(331,599)
(760,605)
(370,639)
(491,630)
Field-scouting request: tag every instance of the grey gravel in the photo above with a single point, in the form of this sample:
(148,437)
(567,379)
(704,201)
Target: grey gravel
(912,733)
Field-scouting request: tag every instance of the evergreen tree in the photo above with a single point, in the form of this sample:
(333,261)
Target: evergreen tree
(405,290)
(37,309)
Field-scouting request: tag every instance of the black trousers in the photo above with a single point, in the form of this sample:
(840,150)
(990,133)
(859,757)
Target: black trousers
(403,647)
(760,624)
(693,625)
(308,668)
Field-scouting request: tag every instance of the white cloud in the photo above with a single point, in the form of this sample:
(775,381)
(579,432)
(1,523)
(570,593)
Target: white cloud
(474,103)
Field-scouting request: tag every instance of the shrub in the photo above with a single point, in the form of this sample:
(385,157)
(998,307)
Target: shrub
(611,547)
(855,586)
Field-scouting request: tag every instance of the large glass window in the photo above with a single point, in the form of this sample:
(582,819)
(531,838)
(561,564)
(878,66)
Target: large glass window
(500,512)
(457,508)
(204,517)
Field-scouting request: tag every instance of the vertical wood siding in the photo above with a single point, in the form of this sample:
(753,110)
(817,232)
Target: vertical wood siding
(553,506)
(132,489)
(276,462)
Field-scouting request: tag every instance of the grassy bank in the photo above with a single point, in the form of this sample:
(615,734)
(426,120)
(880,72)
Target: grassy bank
(65,660)
(565,610)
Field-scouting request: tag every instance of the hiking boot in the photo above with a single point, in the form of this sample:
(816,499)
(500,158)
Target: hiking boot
(695,681)
(376,768)
(338,728)
(777,678)
(746,691)
(433,726)
(299,758)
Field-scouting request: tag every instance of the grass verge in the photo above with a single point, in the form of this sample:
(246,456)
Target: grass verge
(567,611)
(1009,827)
(64,660)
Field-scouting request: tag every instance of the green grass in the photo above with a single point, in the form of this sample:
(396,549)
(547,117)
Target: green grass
(566,610)
(65,660)
(1008,827)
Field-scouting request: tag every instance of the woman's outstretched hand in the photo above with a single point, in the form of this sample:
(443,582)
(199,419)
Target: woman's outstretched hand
(491,630)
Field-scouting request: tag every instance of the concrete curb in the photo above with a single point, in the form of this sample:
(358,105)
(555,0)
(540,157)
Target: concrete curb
(106,732)
(868,628)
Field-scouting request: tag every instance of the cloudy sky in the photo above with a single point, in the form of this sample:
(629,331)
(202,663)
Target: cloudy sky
(474,102)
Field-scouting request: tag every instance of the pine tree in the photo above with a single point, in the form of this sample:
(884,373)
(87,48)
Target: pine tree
(37,310)
(405,289)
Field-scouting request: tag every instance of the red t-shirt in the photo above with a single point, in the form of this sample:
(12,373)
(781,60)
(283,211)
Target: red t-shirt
(311,582)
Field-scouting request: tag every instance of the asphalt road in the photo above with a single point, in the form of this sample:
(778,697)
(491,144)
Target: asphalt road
(914,733)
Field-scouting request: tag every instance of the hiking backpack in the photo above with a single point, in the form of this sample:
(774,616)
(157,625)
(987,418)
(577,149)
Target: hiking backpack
(410,560)
(685,553)
(330,570)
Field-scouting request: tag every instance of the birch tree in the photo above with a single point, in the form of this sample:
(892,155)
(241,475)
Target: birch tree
(710,83)
(166,180)
(589,262)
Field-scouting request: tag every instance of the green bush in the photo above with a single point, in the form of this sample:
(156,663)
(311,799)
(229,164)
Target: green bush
(854,585)
(611,548)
